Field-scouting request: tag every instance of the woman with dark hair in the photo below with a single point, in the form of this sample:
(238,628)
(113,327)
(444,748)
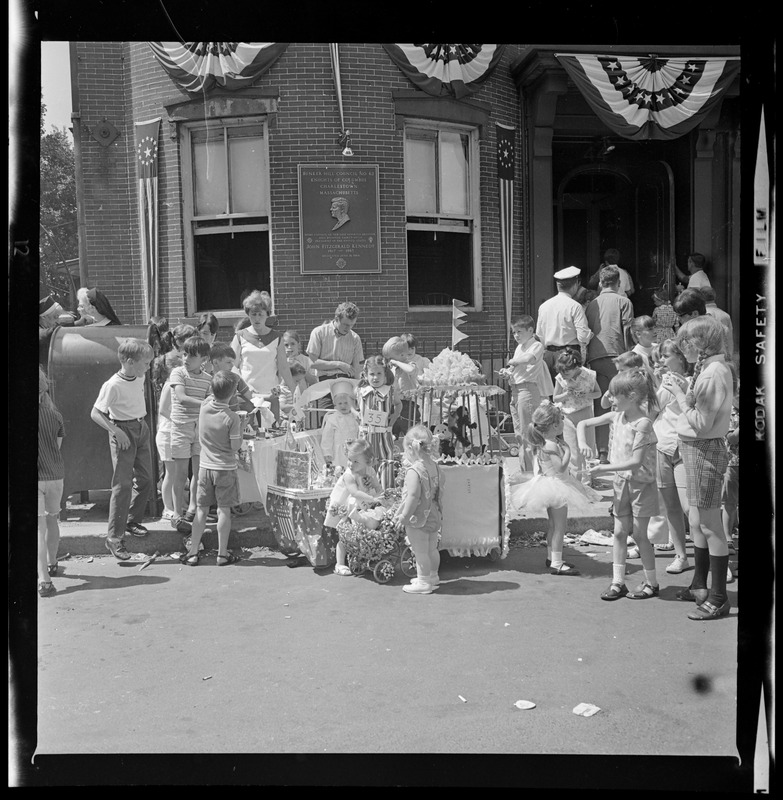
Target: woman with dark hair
(94,308)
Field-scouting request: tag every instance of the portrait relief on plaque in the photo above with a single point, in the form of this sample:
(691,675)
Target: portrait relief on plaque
(339,218)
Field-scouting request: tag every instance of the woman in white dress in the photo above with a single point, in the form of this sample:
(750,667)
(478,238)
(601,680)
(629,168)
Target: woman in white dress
(260,355)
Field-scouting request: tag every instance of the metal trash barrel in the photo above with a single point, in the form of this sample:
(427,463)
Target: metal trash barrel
(80,361)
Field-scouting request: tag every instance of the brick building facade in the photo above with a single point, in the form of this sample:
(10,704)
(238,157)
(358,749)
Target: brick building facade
(296,107)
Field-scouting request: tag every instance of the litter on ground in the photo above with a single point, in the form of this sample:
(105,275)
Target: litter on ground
(586,709)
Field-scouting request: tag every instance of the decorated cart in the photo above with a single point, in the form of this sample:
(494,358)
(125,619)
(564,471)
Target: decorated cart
(461,410)
(372,544)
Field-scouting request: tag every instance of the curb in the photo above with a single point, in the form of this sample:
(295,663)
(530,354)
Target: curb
(89,538)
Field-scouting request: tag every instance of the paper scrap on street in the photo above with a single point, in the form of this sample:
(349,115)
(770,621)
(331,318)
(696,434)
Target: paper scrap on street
(523,705)
(462,698)
(591,536)
(586,709)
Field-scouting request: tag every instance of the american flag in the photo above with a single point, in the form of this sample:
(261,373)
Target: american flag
(506,152)
(201,66)
(147,162)
(650,97)
(444,70)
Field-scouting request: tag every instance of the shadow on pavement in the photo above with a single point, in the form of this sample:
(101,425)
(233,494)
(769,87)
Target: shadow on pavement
(104,582)
(472,586)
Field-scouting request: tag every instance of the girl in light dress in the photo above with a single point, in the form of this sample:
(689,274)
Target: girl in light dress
(552,487)
(293,352)
(161,369)
(341,425)
(667,357)
(420,512)
(663,315)
(356,489)
(575,389)
(632,459)
(379,408)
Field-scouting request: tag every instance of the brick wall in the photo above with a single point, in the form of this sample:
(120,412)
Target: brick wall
(123,82)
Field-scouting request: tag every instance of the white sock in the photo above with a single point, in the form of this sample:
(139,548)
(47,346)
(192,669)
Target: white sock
(618,573)
(557,558)
(649,576)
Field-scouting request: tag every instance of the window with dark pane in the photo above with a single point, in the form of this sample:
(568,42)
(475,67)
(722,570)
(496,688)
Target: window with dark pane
(229,214)
(439,216)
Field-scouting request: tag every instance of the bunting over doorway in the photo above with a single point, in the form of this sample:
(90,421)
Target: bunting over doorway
(444,70)
(202,66)
(650,97)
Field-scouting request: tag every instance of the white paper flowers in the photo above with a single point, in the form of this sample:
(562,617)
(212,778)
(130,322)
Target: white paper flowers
(450,368)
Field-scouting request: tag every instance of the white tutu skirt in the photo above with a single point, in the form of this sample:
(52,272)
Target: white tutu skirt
(542,492)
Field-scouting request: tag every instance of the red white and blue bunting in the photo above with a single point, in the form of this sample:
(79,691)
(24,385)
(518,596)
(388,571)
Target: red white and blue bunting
(201,66)
(650,97)
(444,70)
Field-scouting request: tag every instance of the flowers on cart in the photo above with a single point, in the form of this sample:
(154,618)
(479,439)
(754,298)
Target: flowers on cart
(450,368)
(369,534)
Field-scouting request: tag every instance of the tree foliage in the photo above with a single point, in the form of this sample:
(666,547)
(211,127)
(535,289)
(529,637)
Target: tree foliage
(58,235)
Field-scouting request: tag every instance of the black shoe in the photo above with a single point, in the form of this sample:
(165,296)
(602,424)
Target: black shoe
(52,570)
(117,548)
(134,529)
(181,525)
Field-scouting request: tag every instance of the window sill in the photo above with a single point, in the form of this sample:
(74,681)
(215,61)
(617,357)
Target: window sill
(442,315)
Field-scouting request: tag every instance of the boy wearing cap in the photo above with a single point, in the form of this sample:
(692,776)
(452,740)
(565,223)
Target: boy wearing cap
(339,425)
(561,319)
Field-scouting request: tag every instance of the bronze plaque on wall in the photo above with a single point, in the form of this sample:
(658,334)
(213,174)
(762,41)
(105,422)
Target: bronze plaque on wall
(339,218)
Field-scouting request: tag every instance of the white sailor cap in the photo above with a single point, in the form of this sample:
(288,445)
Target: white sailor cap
(568,272)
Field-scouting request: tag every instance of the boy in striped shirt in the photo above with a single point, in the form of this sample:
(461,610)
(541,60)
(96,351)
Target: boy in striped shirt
(189,386)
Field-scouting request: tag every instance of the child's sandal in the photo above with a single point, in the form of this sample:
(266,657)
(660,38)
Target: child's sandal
(644,591)
(190,559)
(224,561)
(615,592)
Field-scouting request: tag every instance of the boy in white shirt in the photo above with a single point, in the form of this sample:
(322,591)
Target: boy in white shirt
(120,410)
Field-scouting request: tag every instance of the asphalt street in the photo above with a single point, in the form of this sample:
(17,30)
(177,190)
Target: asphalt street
(260,658)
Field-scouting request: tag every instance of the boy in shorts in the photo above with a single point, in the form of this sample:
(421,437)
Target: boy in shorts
(120,410)
(220,436)
(189,385)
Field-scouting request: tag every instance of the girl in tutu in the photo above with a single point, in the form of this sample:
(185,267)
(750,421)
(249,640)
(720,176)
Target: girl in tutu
(358,487)
(551,486)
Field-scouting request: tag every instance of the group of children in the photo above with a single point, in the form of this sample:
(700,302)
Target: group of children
(662,421)
(659,419)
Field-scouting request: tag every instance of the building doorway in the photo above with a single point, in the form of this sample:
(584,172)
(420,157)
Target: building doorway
(626,206)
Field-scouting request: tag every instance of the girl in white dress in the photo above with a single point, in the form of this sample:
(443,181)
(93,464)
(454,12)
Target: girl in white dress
(341,425)
(552,486)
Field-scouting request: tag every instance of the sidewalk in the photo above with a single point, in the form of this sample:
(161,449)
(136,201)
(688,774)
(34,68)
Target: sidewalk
(83,530)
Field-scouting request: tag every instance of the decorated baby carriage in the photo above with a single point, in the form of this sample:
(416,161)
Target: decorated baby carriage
(372,543)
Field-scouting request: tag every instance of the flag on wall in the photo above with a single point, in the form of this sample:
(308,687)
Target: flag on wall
(650,97)
(506,160)
(147,162)
(456,320)
(201,66)
(446,69)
